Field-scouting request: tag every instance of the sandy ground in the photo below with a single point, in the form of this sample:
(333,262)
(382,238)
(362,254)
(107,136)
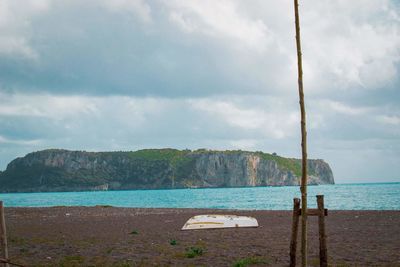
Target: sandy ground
(108,236)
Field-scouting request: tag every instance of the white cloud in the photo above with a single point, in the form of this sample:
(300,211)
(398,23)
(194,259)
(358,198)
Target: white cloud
(16,45)
(47,106)
(245,144)
(138,7)
(346,46)
(4,140)
(344,108)
(272,123)
(15,26)
(184,23)
(357,43)
(390,120)
(220,19)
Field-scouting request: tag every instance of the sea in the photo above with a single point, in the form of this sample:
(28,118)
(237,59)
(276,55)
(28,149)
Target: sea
(371,196)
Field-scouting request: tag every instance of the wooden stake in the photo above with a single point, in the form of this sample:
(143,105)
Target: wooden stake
(323,251)
(3,235)
(295,226)
(303,141)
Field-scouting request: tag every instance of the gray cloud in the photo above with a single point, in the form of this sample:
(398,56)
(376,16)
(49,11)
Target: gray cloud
(122,75)
(180,48)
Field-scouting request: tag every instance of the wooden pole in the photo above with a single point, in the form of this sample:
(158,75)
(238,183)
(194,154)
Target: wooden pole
(3,235)
(323,251)
(295,226)
(303,141)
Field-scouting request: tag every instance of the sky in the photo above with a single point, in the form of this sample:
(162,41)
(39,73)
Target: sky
(131,74)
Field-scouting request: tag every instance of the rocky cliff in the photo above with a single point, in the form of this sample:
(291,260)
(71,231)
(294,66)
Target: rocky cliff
(63,170)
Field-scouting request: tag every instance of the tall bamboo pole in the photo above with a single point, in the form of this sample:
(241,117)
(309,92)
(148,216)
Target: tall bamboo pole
(303,142)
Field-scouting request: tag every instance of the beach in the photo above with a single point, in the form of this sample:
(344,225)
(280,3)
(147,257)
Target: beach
(110,236)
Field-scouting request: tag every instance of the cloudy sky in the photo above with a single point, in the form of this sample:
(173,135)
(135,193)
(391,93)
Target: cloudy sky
(129,74)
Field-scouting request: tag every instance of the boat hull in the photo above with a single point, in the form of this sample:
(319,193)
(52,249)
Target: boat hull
(211,221)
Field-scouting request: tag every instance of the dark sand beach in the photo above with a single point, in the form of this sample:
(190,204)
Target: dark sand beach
(108,236)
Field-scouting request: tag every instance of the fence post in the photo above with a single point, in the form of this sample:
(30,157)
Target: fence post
(295,226)
(3,235)
(323,251)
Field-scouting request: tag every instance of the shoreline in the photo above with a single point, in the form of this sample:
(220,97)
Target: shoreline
(191,209)
(86,190)
(194,188)
(113,236)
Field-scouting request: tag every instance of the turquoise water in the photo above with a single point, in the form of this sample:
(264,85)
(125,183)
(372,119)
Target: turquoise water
(384,196)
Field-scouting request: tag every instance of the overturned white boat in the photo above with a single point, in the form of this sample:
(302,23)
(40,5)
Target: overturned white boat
(212,221)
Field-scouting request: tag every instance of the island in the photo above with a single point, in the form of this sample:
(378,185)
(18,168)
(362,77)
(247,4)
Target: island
(65,170)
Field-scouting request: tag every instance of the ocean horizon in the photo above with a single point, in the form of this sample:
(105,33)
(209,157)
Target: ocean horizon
(354,196)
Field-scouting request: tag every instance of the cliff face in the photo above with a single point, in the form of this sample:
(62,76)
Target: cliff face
(241,169)
(63,170)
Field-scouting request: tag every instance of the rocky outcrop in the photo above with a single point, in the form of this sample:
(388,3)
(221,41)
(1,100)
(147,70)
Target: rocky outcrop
(63,170)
